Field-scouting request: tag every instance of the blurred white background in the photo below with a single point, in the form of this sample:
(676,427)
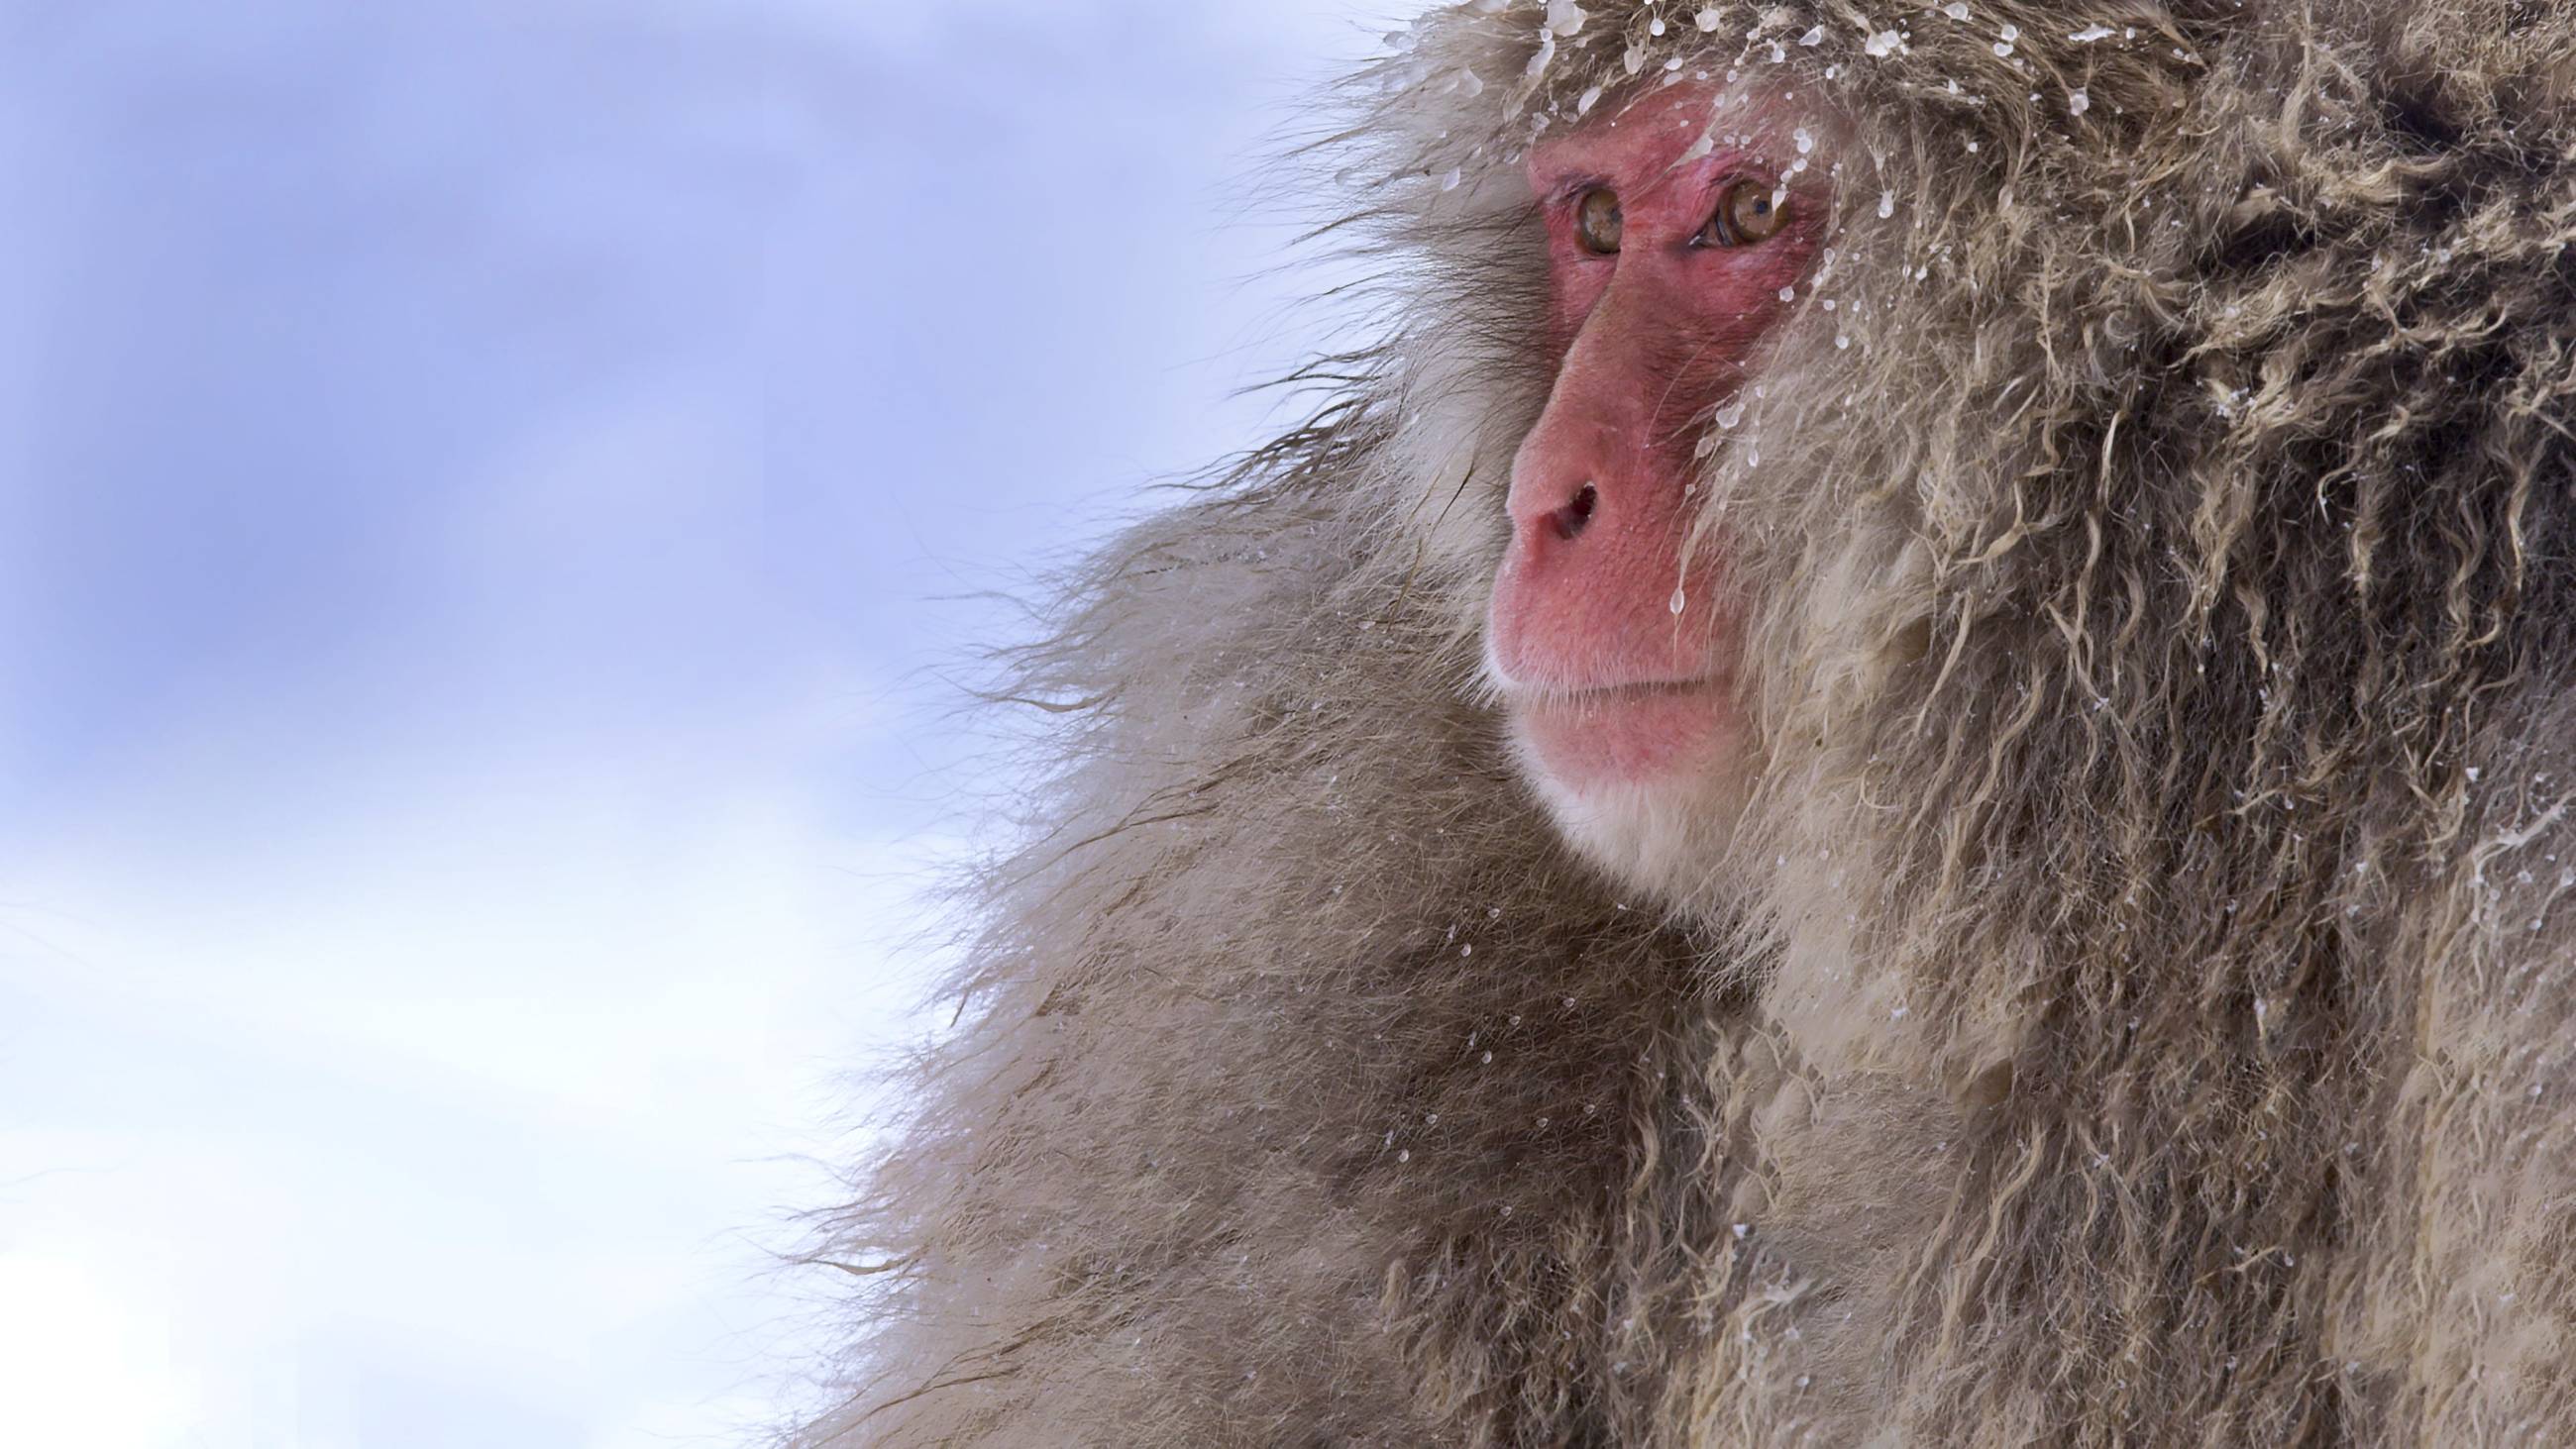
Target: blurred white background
(486,493)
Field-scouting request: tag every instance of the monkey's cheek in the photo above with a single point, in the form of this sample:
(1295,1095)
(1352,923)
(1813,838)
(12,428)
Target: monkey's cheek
(1620,740)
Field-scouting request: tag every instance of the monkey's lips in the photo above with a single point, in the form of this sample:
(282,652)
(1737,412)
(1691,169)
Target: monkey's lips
(1626,734)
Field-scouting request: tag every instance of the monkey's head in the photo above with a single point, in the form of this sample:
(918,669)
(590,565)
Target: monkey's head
(1781,400)
(1679,227)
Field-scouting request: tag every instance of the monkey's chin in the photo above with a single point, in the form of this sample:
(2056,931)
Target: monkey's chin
(1644,781)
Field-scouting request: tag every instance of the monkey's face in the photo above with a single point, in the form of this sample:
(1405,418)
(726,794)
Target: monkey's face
(1676,243)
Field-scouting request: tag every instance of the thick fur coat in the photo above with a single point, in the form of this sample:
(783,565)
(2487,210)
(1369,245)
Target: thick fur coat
(2136,1004)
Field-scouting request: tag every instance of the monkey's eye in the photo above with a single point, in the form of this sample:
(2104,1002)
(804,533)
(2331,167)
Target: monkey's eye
(1597,223)
(1746,213)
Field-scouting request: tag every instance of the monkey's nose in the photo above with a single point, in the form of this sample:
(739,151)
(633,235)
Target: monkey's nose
(1576,515)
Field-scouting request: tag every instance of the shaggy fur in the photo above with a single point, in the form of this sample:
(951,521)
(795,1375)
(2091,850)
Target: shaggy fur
(2135,1007)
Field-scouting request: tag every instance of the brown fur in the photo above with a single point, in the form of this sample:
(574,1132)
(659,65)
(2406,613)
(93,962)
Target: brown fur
(2136,1006)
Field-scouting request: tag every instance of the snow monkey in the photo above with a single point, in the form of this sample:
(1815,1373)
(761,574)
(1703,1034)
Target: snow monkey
(1893,769)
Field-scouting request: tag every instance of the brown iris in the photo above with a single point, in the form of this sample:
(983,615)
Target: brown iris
(1747,212)
(1597,223)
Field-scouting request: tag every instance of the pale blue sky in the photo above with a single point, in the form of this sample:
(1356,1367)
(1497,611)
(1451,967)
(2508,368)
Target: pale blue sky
(478,483)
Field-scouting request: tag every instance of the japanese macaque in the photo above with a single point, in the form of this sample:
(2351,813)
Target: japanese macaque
(1895,771)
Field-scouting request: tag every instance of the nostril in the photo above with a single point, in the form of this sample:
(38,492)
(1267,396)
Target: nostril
(1572,518)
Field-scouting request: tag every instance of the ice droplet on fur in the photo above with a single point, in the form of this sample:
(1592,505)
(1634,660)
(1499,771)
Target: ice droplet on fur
(1956,10)
(1450,181)
(1815,36)
(1882,45)
(1584,103)
(1680,601)
(2078,103)
(1886,205)
(1707,17)
(1564,16)
(1729,415)
(1805,139)
(2092,33)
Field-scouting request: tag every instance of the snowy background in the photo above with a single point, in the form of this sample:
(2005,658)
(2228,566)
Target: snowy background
(486,491)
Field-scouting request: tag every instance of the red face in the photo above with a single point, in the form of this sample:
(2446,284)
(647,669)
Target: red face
(1610,631)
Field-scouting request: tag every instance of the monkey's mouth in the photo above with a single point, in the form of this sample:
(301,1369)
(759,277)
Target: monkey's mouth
(1626,734)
